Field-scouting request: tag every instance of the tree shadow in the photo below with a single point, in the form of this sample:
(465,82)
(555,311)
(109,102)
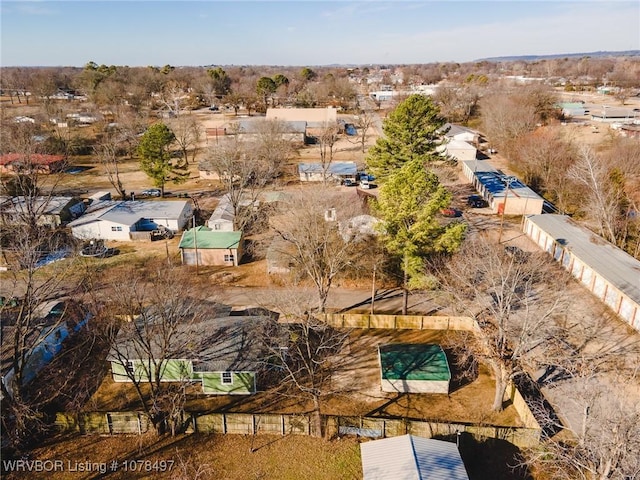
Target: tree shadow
(489,458)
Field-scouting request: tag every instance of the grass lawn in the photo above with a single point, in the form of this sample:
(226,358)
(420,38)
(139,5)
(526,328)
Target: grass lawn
(189,457)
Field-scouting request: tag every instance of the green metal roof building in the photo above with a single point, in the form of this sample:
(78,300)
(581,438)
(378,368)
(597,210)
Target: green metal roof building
(413,368)
(204,246)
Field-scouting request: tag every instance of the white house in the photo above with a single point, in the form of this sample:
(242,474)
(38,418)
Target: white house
(117,220)
(222,218)
(459,133)
(459,150)
(338,171)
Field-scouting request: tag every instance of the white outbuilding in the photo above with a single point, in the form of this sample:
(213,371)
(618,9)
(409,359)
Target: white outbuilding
(409,457)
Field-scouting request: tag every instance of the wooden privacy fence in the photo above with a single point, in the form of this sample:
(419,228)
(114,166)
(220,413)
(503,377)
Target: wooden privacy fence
(288,424)
(410,322)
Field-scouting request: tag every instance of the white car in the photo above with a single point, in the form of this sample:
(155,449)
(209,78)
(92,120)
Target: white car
(152,192)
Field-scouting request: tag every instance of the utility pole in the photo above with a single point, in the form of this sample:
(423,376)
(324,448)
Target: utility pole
(508,181)
(195,243)
(373,287)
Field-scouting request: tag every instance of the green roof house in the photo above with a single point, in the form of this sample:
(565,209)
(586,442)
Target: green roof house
(413,368)
(203,246)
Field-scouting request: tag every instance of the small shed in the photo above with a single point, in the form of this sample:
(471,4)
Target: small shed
(408,457)
(413,368)
(203,246)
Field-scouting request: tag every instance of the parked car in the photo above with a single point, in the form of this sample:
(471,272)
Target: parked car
(476,201)
(347,182)
(152,192)
(450,212)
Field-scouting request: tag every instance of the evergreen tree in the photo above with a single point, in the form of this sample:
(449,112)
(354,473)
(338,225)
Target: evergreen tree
(411,132)
(155,157)
(408,205)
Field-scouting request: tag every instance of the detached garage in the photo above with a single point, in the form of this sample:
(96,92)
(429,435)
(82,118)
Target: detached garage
(413,368)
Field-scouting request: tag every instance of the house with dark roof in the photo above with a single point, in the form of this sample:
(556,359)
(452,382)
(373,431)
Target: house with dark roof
(49,211)
(203,246)
(224,354)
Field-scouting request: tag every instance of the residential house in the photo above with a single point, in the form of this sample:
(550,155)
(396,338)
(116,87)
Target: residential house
(124,220)
(460,133)
(223,217)
(203,246)
(50,211)
(334,171)
(224,354)
(409,457)
(11,163)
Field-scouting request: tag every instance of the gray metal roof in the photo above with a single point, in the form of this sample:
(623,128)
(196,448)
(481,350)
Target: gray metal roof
(335,168)
(213,344)
(42,205)
(408,457)
(128,213)
(454,130)
(493,181)
(613,264)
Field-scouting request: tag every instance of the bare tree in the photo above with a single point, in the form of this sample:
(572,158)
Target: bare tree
(188,134)
(109,152)
(543,158)
(506,118)
(514,297)
(244,173)
(153,334)
(174,97)
(308,360)
(603,197)
(27,325)
(604,442)
(272,147)
(309,224)
(326,141)
(363,122)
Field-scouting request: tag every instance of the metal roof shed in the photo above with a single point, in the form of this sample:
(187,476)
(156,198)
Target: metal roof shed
(413,368)
(408,457)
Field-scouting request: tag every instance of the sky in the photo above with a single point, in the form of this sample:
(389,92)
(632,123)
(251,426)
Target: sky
(307,33)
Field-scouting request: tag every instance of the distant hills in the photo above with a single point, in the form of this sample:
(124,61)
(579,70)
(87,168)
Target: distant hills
(530,58)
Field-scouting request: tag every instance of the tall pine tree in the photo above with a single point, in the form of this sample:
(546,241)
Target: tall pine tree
(411,132)
(155,157)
